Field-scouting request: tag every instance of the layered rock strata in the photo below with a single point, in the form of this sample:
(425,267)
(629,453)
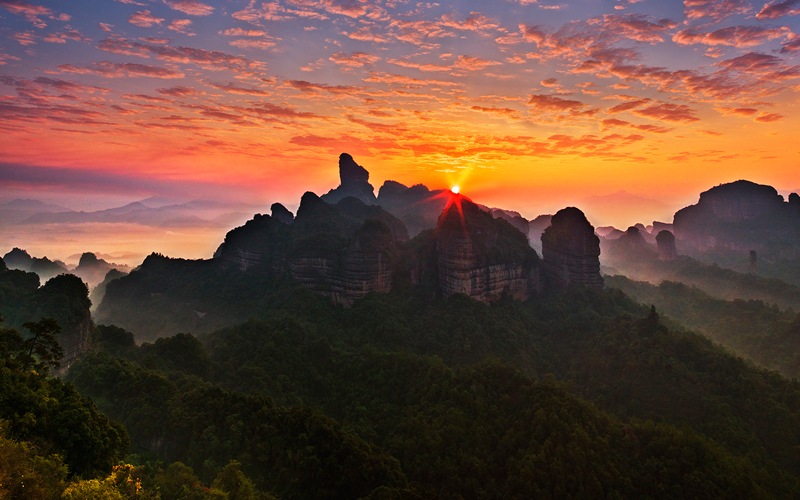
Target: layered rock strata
(571,251)
(483,257)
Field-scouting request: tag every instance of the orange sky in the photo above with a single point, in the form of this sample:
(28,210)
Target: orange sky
(529,105)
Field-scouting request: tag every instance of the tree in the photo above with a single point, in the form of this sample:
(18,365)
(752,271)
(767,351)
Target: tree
(43,344)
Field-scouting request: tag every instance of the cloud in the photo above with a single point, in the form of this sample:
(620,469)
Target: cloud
(121,70)
(242,32)
(181,26)
(615,122)
(508,112)
(233,88)
(105,26)
(553,103)
(470,63)
(144,19)
(768,118)
(774,10)
(638,27)
(735,36)
(311,88)
(376,77)
(737,111)
(354,59)
(717,10)
(62,37)
(190,7)
(474,22)
(29,11)
(25,38)
(248,43)
(668,112)
(216,59)
(419,66)
(180,91)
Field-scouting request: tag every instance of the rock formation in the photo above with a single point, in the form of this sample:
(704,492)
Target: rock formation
(633,239)
(738,217)
(281,213)
(571,251)
(481,256)
(44,267)
(666,246)
(418,207)
(354,182)
(343,251)
(93,270)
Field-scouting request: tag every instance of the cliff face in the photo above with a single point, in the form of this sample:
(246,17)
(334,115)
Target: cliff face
(368,266)
(75,342)
(343,251)
(354,182)
(741,216)
(666,246)
(571,251)
(483,257)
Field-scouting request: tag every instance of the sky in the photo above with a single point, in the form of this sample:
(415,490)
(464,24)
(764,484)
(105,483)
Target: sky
(528,105)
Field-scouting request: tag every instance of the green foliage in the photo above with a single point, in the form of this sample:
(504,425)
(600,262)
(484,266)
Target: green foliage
(751,328)
(296,452)
(50,414)
(43,344)
(712,279)
(24,474)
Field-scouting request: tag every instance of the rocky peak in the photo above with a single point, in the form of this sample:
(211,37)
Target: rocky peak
(89,259)
(281,213)
(18,258)
(571,251)
(633,238)
(666,245)
(351,172)
(354,182)
(481,256)
(741,200)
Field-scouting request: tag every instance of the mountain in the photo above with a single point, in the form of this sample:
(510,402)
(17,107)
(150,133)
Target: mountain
(345,251)
(93,270)
(64,298)
(18,210)
(739,217)
(43,267)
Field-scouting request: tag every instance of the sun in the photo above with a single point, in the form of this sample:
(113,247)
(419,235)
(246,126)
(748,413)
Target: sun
(454,189)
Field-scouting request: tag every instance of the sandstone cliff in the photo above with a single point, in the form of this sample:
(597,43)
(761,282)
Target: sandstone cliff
(481,256)
(571,251)
(344,251)
(741,216)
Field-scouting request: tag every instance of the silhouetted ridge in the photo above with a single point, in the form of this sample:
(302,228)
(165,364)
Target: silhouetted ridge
(571,251)
(738,217)
(281,213)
